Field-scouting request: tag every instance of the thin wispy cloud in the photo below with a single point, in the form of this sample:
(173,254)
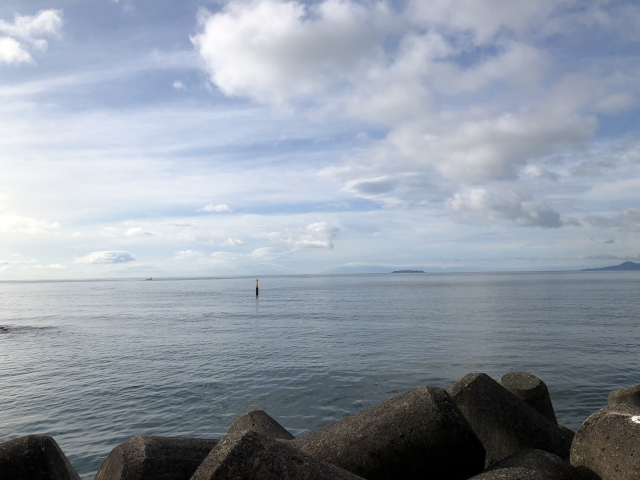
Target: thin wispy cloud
(106,258)
(268,136)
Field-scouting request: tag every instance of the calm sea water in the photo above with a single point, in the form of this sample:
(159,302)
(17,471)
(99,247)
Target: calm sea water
(93,363)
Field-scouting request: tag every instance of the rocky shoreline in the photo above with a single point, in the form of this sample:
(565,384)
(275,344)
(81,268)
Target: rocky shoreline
(478,429)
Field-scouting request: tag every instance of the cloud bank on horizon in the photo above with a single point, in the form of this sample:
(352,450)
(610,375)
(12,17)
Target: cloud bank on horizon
(273,136)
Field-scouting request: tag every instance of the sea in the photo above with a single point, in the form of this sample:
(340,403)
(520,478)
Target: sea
(95,362)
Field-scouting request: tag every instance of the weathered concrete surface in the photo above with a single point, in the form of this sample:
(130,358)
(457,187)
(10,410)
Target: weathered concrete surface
(161,458)
(251,455)
(504,423)
(607,445)
(34,457)
(627,395)
(530,464)
(259,421)
(418,435)
(531,390)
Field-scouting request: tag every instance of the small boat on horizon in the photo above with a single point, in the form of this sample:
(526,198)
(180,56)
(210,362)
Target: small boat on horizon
(150,278)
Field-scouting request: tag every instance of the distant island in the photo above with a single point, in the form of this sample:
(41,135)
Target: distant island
(413,271)
(622,266)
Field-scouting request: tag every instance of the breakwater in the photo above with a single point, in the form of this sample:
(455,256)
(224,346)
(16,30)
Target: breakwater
(479,429)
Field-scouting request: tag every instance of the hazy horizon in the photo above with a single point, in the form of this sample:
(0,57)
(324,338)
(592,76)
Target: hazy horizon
(268,137)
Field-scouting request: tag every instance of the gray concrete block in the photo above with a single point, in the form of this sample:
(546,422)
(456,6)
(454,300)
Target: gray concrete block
(530,464)
(607,445)
(420,434)
(251,455)
(531,390)
(627,395)
(158,458)
(260,422)
(34,457)
(503,422)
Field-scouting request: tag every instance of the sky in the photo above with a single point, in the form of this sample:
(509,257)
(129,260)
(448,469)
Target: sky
(253,137)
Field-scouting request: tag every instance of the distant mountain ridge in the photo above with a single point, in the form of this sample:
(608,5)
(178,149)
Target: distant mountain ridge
(622,266)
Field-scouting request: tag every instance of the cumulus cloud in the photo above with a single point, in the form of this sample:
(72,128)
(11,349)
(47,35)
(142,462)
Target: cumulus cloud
(215,208)
(12,52)
(109,257)
(467,89)
(273,51)
(28,32)
(504,205)
(315,235)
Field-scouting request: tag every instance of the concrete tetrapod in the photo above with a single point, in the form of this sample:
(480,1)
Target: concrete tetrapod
(259,421)
(504,423)
(418,435)
(157,458)
(607,445)
(627,395)
(34,457)
(531,390)
(251,455)
(530,464)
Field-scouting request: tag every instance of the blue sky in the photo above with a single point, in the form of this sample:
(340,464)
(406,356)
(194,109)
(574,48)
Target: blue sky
(171,138)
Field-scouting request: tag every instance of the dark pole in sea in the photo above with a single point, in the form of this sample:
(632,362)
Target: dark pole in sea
(256,287)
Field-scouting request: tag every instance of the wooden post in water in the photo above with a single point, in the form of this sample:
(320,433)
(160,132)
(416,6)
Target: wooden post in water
(257,287)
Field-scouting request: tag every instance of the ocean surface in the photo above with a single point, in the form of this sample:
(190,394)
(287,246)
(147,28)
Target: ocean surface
(93,363)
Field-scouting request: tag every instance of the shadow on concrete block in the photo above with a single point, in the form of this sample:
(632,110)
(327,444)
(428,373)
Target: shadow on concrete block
(420,434)
(155,458)
(34,457)
(503,422)
(531,390)
(259,421)
(530,464)
(251,455)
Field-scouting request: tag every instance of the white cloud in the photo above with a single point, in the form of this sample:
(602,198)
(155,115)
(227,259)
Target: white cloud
(233,242)
(11,222)
(46,23)
(315,235)
(109,257)
(138,232)
(504,205)
(178,85)
(273,51)
(28,31)
(183,254)
(12,52)
(266,253)
(215,208)
(468,90)
(538,172)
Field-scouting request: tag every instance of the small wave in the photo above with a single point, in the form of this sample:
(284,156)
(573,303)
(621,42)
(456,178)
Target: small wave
(22,329)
